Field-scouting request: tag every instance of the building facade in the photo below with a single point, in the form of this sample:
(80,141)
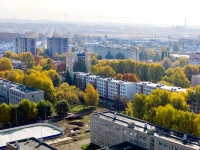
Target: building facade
(194,58)
(13,93)
(24,44)
(195,80)
(57,45)
(110,128)
(107,87)
(148,87)
(71,58)
(128,53)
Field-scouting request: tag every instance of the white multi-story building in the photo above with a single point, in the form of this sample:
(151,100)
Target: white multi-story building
(194,58)
(195,80)
(24,44)
(128,53)
(71,58)
(148,87)
(108,87)
(11,92)
(110,128)
(57,45)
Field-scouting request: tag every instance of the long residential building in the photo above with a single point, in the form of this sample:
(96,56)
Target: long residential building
(57,45)
(194,58)
(11,92)
(110,128)
(128,53)
(107,87)
(24,44)
(148,87)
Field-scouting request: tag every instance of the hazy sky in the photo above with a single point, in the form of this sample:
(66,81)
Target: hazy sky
(168,12)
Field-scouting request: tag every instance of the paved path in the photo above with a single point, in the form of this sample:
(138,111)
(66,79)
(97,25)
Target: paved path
(58,140)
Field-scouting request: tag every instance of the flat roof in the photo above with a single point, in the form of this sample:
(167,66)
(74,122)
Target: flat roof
(38,130)
(18,87)
(159,131)
(31,143)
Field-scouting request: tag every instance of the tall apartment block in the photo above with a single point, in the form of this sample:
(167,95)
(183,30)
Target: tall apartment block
(194,58)
(11,92)
(57,45)
(24,44)
(128,53)
(108,87)
(110,128)
(71,58)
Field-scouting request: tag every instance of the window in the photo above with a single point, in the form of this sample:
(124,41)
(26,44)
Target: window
(131,133)
(176,148)
(144,145)
(144,138)
(165,144)
(32,96)
(170,146)
(160,143)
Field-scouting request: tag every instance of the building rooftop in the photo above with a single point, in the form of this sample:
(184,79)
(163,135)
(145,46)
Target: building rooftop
(31,144)
(149,128)
(17,87)
(162,86)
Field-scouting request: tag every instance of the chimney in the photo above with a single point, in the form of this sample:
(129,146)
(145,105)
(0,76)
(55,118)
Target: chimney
(115,113)
(145,126)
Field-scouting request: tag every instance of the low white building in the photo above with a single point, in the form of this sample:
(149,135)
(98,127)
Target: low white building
(148,87)
(108,87)
(11,92)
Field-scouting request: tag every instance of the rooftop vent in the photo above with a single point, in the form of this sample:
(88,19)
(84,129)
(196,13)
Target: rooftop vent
(185,139)
(145,126)
(115,115)
(17,145)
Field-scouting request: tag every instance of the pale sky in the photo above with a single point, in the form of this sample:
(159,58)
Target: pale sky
(166,12)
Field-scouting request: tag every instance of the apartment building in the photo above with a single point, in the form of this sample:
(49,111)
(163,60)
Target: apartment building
(57,45)
(194,58)
(195,80)
(110,128)
(71,58)
(11,92)
(148,87)
(108,87)
(128,53)
(24,44)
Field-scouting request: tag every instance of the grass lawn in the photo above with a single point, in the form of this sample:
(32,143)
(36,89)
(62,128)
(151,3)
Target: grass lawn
(79,108)
(89,147)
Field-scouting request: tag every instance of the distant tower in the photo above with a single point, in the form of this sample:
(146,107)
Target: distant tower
(185,22)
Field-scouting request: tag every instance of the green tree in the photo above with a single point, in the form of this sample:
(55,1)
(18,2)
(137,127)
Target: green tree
(5,114)
(166,63)
(139,103)
(62,107)
(108,55)
(5,64)
(91,96)
(27,110)
(79,66)
(45,109)
(119,56)
(68,78)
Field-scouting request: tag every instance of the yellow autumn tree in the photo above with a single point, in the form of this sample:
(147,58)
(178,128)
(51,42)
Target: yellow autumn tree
(91,96)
